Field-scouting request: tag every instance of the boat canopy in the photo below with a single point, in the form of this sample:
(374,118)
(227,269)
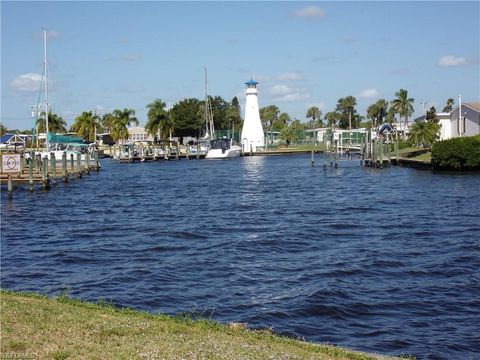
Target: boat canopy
(223,144)
(63,139)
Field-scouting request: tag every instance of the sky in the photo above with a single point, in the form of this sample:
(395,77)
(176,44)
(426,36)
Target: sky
(123,54)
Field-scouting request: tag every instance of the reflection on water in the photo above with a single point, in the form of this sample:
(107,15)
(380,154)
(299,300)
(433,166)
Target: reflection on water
(376,260)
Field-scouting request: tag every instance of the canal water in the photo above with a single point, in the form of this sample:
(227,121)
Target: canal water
(383,261)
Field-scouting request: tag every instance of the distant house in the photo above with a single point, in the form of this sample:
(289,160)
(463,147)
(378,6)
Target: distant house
(138,134)
(445,123)
(12,141)
(451,127)
(469,124)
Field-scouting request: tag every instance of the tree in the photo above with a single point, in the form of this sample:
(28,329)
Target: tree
(425,133)
(390,117)
(332,118)
(284,119)
(56,124)
(378,112)
(431,115)
(119,121)
(3,130)
(403,106)
(449,106)
(188,117)
(269,115)
(157,119)
(219,112)
(315,114)
(86,125)
(288,134)
(233,114)
(348,114)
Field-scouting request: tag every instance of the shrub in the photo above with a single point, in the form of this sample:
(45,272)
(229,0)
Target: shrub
(457,154)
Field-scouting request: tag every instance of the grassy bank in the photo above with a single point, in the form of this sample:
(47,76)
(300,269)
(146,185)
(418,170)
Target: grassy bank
(37,327)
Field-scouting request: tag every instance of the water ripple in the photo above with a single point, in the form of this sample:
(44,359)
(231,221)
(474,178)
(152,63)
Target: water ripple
(376,260)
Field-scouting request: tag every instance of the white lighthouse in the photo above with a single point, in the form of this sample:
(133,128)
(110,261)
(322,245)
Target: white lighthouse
(252,132)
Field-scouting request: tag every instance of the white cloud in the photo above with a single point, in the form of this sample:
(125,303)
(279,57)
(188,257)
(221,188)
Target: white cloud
(310,12)
(368,93)
(292,76)
(285,93)
(450,60)
(27,82)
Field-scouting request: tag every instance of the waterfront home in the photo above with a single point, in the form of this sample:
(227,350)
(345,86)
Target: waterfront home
(138,134)
(12,141)
(451,127)
(445,124)
(469,123)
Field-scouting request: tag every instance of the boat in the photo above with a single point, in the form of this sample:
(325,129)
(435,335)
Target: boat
(58,145)
(223,149)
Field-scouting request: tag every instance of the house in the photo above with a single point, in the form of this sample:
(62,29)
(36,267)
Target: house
(451,127)
(445,123)
(12,141)
(138,134)
(469,124)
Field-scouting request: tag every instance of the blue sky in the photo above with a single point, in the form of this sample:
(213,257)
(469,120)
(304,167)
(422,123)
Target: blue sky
(109,55)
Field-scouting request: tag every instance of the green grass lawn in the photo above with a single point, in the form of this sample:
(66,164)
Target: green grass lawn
(38,327)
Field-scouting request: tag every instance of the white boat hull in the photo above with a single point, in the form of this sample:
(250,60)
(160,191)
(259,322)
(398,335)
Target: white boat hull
(233,152)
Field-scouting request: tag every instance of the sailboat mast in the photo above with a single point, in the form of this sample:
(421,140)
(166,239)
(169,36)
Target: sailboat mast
(46,83)
(206,105)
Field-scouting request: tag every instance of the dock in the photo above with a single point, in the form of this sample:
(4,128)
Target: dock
(37,172)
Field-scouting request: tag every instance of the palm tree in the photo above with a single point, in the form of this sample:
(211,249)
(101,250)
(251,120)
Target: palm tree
(346,106)
(403,106)
(377,112)
(425,133)
(119,121)
(86,125)
(314,113)
(56,124)
(157,119)
(449,106)
(332,118)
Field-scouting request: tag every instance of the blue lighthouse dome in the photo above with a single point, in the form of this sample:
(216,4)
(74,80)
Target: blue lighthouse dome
(251,83)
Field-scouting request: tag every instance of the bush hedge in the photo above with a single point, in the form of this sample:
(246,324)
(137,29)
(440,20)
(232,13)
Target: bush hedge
(457,154)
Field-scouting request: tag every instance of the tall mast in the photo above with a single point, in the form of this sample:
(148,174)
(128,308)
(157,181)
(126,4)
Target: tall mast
(46,83)
(206,106)
(208,112)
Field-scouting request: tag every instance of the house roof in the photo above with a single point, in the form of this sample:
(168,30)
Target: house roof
(7,139)
(473,105)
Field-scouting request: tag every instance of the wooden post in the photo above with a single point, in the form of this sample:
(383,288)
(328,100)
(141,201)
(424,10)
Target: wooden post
(45,173)
(79,165)
(178,153)
(380,144)
(30,174)
(10,186)
(335,155)
(97,165)
(313,158)
(64,167)
(251,150)
(53,166)
(87,162)
(397,152)
(38,163)
(72,166)
(198,150)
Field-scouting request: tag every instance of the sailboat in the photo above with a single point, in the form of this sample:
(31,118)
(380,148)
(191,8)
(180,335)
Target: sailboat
(222,148)
(57,145)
